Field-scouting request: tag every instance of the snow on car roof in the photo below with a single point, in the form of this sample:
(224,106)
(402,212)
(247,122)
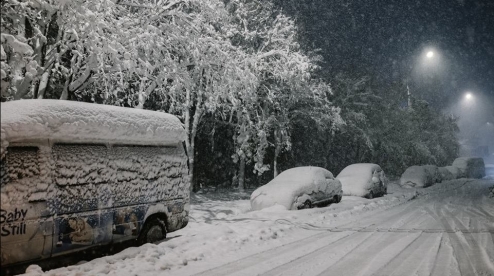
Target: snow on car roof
(69,121)
(299,174)
(359,169)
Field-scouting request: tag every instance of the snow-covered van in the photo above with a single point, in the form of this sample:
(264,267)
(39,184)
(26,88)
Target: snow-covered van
(76,175)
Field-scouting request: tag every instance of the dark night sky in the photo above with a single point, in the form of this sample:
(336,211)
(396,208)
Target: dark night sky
(386,38)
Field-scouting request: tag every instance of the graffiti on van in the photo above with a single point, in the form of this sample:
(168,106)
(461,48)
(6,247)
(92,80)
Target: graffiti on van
(128,221)
(75,232)
(13,222)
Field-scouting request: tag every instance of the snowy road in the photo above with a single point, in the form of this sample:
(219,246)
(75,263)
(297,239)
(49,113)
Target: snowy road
(447,232)
(445,229)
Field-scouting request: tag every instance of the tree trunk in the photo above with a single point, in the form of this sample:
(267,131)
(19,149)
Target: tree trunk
(190,154)
(189,147)
(43,84)
(65,91)
(277,149)
(191,131)
(241,174)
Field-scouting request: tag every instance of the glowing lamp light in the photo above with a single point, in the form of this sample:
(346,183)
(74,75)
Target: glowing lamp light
(468,96)
(430,54)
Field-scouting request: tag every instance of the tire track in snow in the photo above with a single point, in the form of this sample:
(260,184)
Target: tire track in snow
(230,268)
(445,263)
(319,261)
(464,263)
(377,249)
(410,251)
(467,251)
(398,218)
(477,253)
(316,261)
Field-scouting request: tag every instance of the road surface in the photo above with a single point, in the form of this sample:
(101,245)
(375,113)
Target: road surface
(447,232)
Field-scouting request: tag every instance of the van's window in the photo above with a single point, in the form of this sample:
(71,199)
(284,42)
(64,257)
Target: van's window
(79,169)
(20,174)
(20,163)
(78,164)
(142,171)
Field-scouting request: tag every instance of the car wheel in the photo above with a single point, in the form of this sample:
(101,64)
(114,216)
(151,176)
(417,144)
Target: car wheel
(307,204)
(371,195)
(154,230)
(336,199)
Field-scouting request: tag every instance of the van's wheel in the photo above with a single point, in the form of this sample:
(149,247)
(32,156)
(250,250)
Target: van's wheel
(371,195)
(154,230)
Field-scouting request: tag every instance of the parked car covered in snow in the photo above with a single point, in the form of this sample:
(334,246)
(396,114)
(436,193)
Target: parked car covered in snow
(433,171)
(77,175)
(298,188)
(470,167)
(364,180)
(445,174)
(419,177)
(454,171)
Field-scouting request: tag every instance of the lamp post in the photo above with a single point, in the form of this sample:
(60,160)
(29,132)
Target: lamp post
(467,124)
(429,56)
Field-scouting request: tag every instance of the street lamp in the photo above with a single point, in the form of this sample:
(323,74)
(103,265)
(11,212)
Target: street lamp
(468,96)
(429,58)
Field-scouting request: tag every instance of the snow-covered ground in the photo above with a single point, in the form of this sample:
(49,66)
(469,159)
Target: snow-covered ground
(446,229)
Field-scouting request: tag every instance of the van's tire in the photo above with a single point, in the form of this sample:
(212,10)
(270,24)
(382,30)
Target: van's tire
(371,195)
(154,230)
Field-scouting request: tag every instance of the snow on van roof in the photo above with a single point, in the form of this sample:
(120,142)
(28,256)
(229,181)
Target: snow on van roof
(69,121)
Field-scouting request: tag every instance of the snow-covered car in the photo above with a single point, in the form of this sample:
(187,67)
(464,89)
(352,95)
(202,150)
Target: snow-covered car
(446,174)
(470,167)
(298,188)
(419,177)
(433,171)
(454,171)
(364,180)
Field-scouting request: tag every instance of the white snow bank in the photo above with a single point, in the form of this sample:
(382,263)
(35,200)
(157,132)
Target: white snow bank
(289,187)
(470,167)
(445,174)
(70,121)
(418,176)
(357,179)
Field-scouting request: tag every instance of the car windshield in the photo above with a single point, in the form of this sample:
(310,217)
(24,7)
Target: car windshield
(127,122)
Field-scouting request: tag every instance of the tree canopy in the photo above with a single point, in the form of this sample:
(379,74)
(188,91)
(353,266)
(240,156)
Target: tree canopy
(235,73)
